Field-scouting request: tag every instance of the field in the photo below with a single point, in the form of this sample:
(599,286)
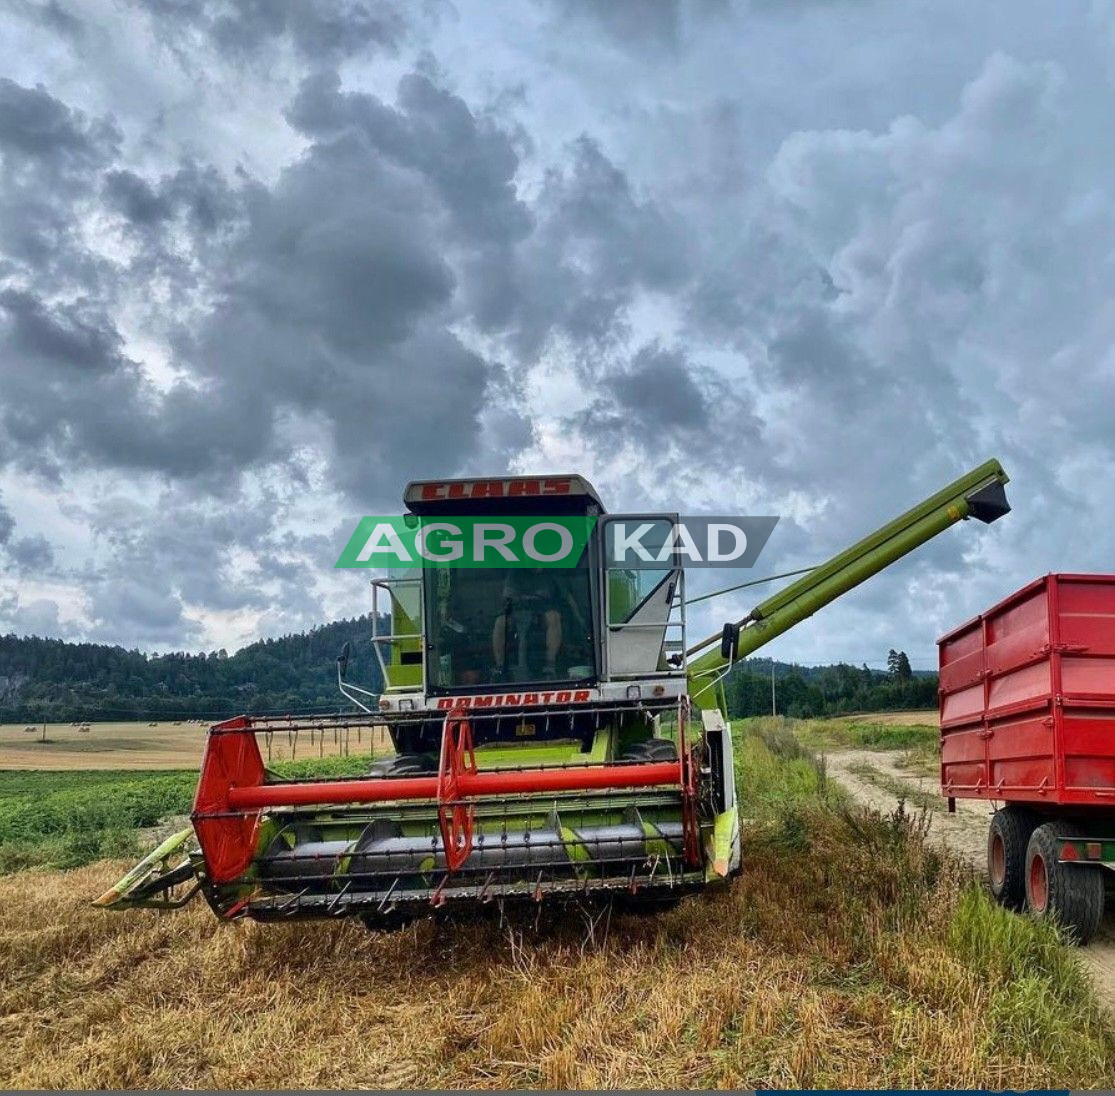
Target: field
(151,745)
(853,952)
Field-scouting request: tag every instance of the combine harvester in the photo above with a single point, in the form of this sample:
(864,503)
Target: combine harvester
(545,746)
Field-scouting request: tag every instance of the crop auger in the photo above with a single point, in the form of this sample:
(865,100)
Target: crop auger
(554,738)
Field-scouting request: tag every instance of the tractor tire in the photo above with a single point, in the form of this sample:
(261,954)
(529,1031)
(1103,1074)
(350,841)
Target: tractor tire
(653,749)
(1007,839)
(1070,894)
(404,765)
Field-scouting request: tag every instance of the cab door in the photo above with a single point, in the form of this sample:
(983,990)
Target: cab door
(643,598)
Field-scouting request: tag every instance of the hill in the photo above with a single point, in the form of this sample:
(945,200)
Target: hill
(55,681)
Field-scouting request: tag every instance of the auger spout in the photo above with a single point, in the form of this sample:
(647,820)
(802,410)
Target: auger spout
(980,494)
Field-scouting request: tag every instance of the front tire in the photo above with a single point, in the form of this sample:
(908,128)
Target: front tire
(1008,837)
(1070,894)
(404,765)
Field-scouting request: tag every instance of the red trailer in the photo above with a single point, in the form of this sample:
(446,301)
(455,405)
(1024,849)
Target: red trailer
(1027,699)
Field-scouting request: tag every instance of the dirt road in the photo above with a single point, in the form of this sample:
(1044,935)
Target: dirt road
(877,779)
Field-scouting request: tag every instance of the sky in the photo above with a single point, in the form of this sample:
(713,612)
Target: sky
(262,262)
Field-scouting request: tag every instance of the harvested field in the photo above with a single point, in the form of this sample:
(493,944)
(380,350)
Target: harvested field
(154,746)
(851,953)
(920,718)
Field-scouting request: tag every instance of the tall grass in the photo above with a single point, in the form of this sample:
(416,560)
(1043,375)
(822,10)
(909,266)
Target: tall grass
(851,733)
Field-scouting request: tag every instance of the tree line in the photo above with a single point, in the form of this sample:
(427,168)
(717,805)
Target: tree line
(51,680)
(805,692)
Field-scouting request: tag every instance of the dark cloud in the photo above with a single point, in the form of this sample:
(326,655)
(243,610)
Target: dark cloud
(342,294)
(31,554)
(326,30)
(640,24)
(36,126)
(661,391)
(597,243)
(661,408)
(7,524)
(142,608)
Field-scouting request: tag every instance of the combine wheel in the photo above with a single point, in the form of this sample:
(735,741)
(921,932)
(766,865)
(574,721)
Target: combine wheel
(393,920)
(1007,838)
(1072,894)
(646,903)
(404,765)
(654,749)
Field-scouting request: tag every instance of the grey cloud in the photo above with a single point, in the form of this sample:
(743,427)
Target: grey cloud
(31,554)
(7,524)
(342,293)
(663,408)
(35,125)
(38,617)
(324,30)
(661,391)
(597,243)
(639,24)
(135,198)
(142,609)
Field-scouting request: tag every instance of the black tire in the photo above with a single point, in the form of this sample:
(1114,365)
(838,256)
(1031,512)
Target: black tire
(647,905)
(1007,839)
(404,765)
(653,749)
(1070,894)
(394,920)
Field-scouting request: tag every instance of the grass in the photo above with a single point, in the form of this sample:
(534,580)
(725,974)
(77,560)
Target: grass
(850,733)
(849,954)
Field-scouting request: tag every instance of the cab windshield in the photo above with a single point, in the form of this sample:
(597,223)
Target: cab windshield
(489,625)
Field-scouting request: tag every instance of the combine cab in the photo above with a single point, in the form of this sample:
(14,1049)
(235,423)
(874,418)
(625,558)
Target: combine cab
(555,733)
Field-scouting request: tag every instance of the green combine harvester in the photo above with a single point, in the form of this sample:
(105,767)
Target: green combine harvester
(556,735)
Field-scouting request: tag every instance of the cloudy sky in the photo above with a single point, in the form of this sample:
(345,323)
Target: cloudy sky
(262,261)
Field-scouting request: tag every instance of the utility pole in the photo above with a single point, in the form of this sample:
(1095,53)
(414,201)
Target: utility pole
(773,705)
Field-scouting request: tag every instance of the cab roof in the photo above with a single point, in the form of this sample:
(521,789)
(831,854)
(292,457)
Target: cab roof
(562,494)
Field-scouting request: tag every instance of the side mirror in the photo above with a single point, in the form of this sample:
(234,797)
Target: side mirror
(342,660)
(729,642)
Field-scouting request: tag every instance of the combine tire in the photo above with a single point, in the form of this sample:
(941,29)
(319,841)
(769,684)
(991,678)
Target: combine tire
(394,920)
(654,749)
(1070,894)
(648,904)
(404,765)
(1007,839)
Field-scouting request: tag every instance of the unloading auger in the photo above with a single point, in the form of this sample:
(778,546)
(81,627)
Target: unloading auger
(555,736)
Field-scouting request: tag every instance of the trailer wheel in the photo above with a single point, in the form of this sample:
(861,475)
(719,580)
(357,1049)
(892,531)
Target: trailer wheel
(1007,839)
(1071,894)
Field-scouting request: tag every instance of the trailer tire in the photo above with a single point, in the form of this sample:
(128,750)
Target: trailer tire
(1071,894)
(1008,837)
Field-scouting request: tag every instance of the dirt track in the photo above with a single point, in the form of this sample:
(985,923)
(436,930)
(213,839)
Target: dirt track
(965,832)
